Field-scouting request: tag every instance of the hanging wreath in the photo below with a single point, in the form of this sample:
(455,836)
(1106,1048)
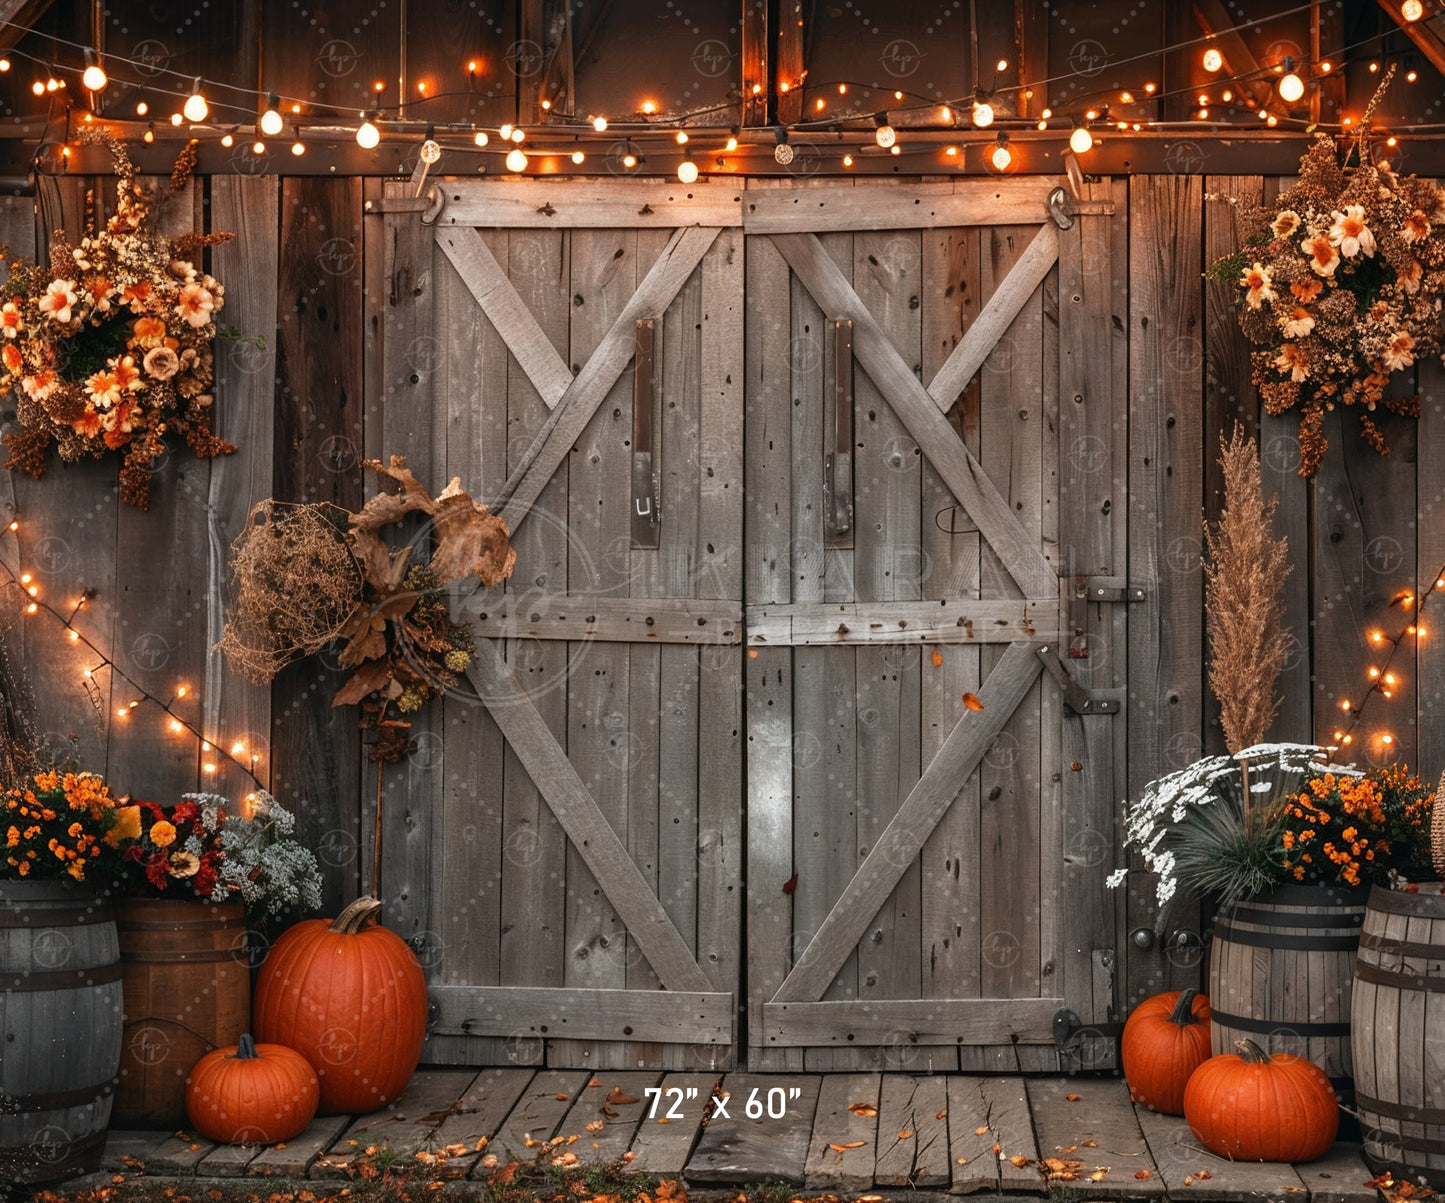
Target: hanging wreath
(1340,285)
(108,349)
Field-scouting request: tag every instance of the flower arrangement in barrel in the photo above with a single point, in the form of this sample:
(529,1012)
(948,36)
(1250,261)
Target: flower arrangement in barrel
(107,348)
(1339,286)
(203,847)
(63,825)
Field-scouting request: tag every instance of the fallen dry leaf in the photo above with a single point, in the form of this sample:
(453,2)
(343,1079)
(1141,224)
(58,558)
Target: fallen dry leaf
(970,700)
(998,1150)
(489,1162)
(905,1135)
(1090,1144)
(937,658)
(1143,1175)
(594,1082)
(852,1144)
(596,1126)
(979,1131)
(1100,1174)
(615,1095)
(629,1156)
(1204,1174)
(941,1115)
(867,1110)
(1072,1098)
(1018,1161)
(561,1098)
(1188,1181)
(607,1111)
(961,1160)
(791,884)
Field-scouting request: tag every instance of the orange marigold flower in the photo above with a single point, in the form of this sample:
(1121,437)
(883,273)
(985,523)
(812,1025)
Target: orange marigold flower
(163,833)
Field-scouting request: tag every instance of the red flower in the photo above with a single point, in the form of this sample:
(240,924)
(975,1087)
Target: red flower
(185,812)
(158,870)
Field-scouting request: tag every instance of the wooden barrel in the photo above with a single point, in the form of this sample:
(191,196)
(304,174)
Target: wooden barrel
(1281,970)
(59,1030)
(1399,1041)
(187,990)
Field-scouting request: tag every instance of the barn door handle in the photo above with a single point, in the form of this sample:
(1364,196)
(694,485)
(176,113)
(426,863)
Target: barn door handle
(646,516)
(838,463)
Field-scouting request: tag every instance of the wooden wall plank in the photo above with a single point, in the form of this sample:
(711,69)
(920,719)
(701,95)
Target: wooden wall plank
(236,711)
(1166,433)
(1430,556)
(316,750)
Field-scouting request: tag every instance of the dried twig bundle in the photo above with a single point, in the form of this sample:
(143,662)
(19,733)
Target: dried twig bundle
(295,586)
(1244,574)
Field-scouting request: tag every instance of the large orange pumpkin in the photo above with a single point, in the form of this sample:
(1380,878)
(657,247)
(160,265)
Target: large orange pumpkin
(1257,1107)
(251,1094)
(350,997)
(1165,1040)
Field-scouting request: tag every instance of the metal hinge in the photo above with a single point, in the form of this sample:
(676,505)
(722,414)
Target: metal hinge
(1076,697)
(1068,1028)
(429,204)
(1081,591)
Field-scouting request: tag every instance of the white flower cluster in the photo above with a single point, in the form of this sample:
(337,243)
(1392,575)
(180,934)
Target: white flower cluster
(270,871)
(1274,769)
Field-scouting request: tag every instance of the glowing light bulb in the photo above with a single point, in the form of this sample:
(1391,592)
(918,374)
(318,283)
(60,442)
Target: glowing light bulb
(367,135)
(1001,65)
(1291,88)
(176,119)
(687,172)
(600,124)
(38,88)
(629,160)
(516,159)
(258,147)
(94,78)
(480,137)
(271,122)
(298,147)
(505,131)
(578,157)
(228,140)
(885,135)
(649,107)
(142,109)
(1081,141)
(175,725)
(1412,10)
(982,114)
(847,160)
(74,636)
(149,135)
(682,137)
(4,65)
(1002,157)
(1345,706)
(732,142)
(196,109)
(208,767)
(15,526)
(1213,60)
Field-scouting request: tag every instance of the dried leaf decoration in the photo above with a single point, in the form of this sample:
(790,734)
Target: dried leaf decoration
(867,1110)
(971,702)
(385,604)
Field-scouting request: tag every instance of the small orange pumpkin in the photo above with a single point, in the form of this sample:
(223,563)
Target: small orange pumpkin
(1165,1040)
(350,997)
(1257,1107)
(252,1094)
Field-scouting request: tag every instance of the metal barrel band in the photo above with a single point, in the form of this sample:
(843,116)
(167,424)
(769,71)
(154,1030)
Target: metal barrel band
(1224,930)
(1251,914)
(60,979)
(55,916)
(1405,948)
(1271,1027)
(1365,972)
(55,1100)
(1398,902)
(1415,1144)
(1401,1111)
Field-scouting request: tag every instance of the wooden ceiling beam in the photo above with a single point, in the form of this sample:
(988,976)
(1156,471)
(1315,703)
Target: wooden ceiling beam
(1423,33)
(18,16)
(1216,22)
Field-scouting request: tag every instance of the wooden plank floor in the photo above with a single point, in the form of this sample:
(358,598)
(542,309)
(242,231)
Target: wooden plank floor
(841,1134)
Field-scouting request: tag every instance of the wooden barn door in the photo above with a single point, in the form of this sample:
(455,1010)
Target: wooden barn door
(935,420)
(566,854)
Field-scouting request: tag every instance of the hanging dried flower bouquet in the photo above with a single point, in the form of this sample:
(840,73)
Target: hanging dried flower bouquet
(1340,285)
(109,347)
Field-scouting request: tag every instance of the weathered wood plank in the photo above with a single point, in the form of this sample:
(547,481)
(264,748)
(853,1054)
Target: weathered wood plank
(294,1158)
(912,1132)
(911,402)
(915,819)
(227,1161)
(942,622)
(1179,1156)
(605,619)
(537,1114)
(619,1102)
(235,711)
(672,1125)
(909,206)
(844,1145)
(582,1013)
(316,749)
(737,1149)
(573,204)
(1339,1176)
(497,295)
(404,1128)
(989,1124)
(984,332)
(913,1021)
(590,387)
(1069,1112)
(124,1148)
(1429,652)
(180,1154)
(589,831)
(475,1116)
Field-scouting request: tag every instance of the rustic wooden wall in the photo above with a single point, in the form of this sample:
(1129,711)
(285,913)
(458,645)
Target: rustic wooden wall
(308,273)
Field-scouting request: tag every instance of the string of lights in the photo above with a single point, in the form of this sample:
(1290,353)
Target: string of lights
(212,750)
(1383,679)
(1287,81)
